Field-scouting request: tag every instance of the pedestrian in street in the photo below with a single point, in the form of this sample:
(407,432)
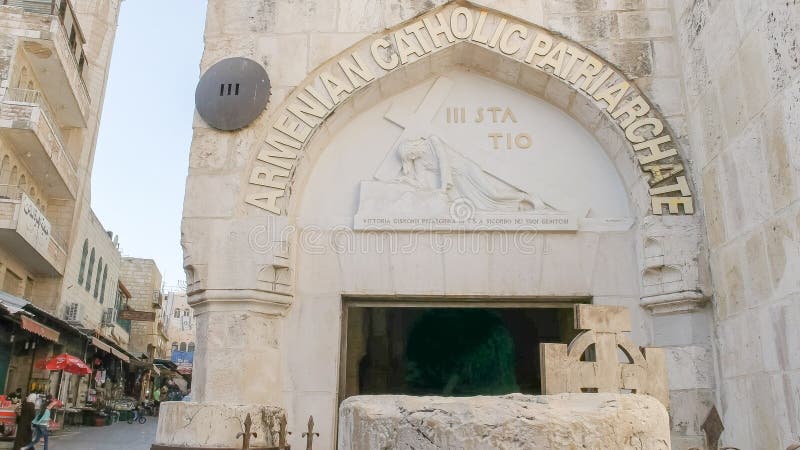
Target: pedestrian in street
(26,416)
(41,424)
(157,400)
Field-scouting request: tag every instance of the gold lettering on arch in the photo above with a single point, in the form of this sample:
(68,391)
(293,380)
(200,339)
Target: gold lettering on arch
(308,106)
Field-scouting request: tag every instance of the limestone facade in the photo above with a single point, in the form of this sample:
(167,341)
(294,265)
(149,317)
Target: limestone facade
(143,280)
(272,262)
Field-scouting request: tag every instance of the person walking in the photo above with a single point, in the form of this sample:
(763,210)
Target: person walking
(157,400)
(41,424)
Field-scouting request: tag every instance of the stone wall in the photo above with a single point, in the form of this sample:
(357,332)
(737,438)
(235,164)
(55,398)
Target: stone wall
(740,65)
(723,74)
(143,280)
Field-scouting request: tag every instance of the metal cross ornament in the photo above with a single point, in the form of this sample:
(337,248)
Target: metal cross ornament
(282,433)
(309,435)
(246,435)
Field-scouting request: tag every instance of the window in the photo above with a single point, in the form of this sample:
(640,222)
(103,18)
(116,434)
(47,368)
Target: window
(174,346)
(12,283)
(99,275)
(177,313)
(183,346)
(186,312)
(103,289)
(83,261)
(91,271)
(191,347)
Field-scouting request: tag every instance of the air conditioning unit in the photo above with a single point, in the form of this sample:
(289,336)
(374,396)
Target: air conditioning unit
(109,315)
(72,314)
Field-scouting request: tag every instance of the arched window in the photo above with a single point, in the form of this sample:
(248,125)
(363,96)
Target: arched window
(177,313)
(83,260)
(103,289)
(23,183)
(90,272)
(191,347)
(12,180)
(32,192)
(186,312)
(99,276)
(174,346)
(5,168)
(183,346)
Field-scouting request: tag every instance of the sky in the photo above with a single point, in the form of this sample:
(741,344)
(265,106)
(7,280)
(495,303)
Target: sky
(142,153)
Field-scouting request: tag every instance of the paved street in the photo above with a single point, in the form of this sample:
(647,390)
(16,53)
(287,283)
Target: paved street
(121,436)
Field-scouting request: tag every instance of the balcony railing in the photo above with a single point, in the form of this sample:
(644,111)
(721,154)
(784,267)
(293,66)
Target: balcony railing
(35,6)
(34,98)
(62,9)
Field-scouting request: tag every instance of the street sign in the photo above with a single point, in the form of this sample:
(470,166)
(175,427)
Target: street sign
(137,316)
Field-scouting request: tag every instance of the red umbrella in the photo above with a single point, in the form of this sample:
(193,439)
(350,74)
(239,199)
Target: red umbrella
(68,363)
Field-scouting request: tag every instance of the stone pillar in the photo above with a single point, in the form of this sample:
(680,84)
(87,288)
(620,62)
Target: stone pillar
(238,353)
(237,372)
(682,328)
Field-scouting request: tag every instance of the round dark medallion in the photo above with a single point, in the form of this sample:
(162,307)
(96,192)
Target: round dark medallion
(232,93)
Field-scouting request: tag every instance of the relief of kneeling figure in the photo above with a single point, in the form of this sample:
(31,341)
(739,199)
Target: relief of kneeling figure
(429,164)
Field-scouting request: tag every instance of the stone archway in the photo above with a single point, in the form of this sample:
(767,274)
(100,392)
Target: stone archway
(250,282)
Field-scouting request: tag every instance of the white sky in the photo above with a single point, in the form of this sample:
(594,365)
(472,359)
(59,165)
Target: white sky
(143,148)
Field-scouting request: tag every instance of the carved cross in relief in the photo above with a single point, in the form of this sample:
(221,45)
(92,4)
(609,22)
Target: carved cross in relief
(414,123)
(564,371)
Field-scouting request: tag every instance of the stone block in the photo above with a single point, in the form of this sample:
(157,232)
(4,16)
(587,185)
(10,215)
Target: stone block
(758,288)
(634,58)
(689,409)
(783,173)
(585,27)
(606,319)
(284,71)
(690,367)
(324,46)
(714,208)
(187,424)
(570,6)
(620,5)
(361,16)
(644,24)
(511,422)
(666,59)
(682,329)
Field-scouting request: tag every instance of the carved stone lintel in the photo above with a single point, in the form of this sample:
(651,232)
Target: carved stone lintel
(675,302)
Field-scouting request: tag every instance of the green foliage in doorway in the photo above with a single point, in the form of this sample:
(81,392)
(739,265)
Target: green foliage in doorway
(460,352)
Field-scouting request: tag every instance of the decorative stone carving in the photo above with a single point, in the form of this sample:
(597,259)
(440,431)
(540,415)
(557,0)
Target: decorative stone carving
(671,273)
(509,422)
(278,275)
(424,183)
(569,368)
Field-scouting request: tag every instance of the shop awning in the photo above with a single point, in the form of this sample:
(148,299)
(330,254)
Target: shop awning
(12,303)
(101,345)
(122,356)
(39,329)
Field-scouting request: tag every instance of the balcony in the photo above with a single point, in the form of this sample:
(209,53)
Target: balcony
(26,233)
(53,42)
(27,122)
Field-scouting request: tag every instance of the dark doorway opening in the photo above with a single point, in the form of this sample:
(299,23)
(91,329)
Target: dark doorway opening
(449,351)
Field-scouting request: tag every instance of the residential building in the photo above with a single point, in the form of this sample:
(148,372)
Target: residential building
(141,277)
(182,332)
